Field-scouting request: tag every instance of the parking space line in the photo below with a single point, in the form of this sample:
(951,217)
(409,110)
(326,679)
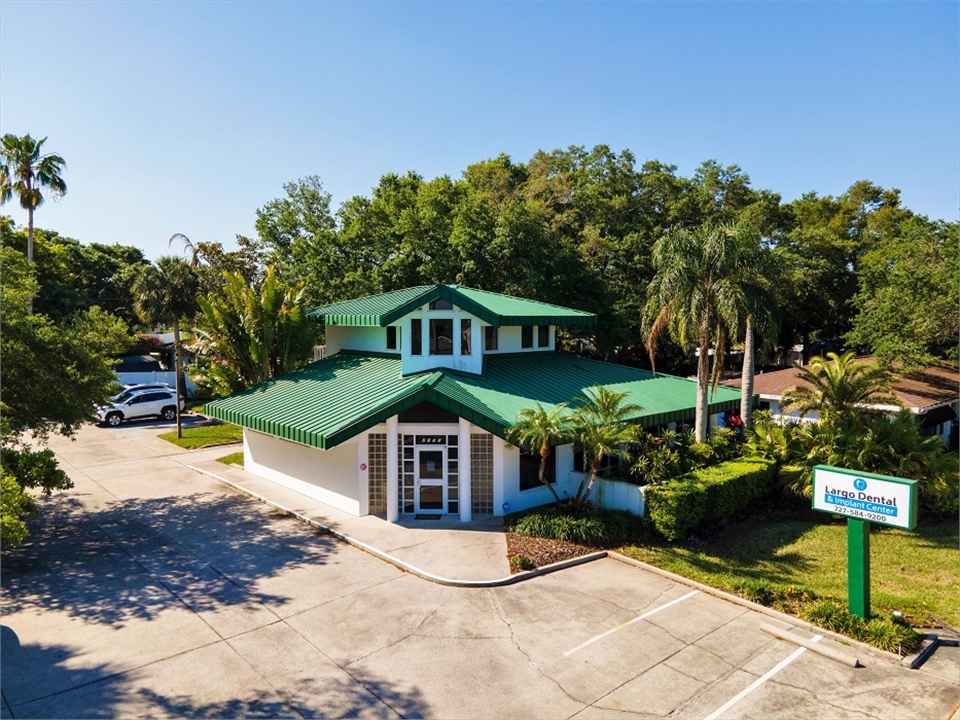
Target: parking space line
(647,614)
(760,681)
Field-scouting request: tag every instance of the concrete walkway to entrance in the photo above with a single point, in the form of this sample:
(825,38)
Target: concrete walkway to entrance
(443,549)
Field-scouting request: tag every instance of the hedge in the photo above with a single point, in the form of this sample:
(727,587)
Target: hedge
(709,496)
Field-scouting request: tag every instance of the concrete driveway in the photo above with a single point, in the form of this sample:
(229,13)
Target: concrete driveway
(152,590)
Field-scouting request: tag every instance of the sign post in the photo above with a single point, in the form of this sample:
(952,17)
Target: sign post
(863,498)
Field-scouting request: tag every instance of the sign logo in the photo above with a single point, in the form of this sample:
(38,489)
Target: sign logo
(860,484)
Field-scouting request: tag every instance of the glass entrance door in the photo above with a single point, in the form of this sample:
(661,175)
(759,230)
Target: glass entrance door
(431,485)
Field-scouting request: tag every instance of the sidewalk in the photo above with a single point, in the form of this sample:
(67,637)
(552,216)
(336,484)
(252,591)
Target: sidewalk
(440,548)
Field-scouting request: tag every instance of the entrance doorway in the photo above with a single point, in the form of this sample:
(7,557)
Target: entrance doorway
(431,487)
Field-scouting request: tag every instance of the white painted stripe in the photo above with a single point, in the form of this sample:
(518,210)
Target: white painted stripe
(760,681)
(647,614)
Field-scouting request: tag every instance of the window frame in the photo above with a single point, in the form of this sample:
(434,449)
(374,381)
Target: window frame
(466,336)
(526,337)
(416,336)
(491,331)
(529,471)
(543,336)
(435,336)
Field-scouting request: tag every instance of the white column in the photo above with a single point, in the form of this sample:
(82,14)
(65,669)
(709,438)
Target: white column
(393,489)
(466,509)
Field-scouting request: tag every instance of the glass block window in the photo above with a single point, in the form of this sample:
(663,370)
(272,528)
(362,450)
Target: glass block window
(406,474)
(481,473)
(377,472)
(453,474)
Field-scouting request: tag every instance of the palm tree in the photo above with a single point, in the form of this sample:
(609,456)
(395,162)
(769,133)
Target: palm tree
(188,246)
(839,387)
(24,170)
(167,292)
(251,334)
(536,430)
(761,316)
(600,426)
(698,295)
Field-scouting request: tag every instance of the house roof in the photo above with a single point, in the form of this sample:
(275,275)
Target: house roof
(494,308)
(330,401)
(920,391)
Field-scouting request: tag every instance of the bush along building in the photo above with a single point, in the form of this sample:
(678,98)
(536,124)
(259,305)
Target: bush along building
(407,413)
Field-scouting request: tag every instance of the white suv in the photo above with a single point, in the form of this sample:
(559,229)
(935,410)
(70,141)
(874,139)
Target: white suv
(147,403)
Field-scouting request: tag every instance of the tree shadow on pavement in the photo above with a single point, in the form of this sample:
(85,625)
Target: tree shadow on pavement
(132,559)
(38,681)
(349,696)
(30,673)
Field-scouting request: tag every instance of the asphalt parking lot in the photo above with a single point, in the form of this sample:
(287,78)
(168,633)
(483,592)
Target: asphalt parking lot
(152,590)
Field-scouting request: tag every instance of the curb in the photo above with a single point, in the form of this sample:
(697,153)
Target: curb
(763,609)
(397,562)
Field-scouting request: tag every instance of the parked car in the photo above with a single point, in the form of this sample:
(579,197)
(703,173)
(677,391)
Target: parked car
(145,403)
(130,390)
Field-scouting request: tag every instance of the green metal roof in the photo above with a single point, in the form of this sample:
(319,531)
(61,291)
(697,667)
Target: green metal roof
(332,400)
(494,308)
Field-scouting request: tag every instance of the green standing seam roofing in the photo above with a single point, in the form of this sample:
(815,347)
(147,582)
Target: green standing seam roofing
(493,308)
(330,401)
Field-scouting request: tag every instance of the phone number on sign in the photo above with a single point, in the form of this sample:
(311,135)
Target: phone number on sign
(865,515)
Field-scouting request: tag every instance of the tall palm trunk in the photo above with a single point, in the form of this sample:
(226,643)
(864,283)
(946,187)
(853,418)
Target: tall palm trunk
(703,380)
(30,253)
(544,454)
(178,370)
(746,380)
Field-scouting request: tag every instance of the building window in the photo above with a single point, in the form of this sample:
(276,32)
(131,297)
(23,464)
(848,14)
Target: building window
(530,470)
(441,337)
(466,343)
(391,338)
(578,461)
(526,336)
(481,473)
(490,338)
(543,336)
(416,337)
(441,304)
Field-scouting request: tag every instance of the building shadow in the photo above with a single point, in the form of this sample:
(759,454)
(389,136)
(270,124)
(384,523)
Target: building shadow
(203,550)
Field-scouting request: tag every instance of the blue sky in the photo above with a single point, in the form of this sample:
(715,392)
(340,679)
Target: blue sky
(188,116)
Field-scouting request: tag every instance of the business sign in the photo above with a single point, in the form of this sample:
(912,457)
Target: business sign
(865,496)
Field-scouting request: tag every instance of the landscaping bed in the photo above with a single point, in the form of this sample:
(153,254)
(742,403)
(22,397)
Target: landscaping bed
(541,551)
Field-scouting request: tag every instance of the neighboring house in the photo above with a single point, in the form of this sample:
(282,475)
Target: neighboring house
(408,411)
(931,394)
(144,369)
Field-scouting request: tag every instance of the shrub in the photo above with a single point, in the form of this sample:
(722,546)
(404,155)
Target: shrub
(886,634)
(709,496)
(677,508)
(521,562)
(593,527)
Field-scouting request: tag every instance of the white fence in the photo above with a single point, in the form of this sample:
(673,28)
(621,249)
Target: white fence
(615,495)
(156,376)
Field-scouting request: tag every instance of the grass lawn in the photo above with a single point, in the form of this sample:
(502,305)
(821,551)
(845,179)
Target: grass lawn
(915,572)
(195,406)
(232,459)
(198,437)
